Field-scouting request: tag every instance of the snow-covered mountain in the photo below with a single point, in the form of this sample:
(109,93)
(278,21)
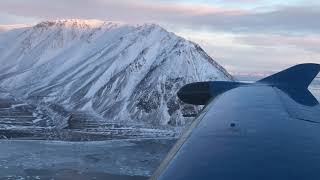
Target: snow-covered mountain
(118,72)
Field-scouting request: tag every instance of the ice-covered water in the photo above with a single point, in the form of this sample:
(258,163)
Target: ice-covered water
(113,159)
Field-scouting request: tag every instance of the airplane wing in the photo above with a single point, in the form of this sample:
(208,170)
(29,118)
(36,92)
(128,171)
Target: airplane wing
(266,130)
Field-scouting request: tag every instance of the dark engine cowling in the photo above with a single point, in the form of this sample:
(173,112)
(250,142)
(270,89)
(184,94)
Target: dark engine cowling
(200,93)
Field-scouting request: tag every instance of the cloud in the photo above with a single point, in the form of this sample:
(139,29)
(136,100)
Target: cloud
(13,19)
(282,19)
(259,59)
(257,52)
(124,9)
(240,1)
(306,42)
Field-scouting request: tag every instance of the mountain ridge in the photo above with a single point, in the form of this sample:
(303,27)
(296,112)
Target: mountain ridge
(121,72)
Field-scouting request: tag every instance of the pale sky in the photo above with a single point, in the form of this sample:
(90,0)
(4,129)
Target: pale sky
(242,35)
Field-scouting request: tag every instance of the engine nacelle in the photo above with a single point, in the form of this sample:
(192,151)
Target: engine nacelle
(200,93)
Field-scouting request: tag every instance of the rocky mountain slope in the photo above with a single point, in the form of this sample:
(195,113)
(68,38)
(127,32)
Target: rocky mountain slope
(111,72)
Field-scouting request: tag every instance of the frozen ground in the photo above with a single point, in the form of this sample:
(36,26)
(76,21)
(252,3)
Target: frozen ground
(31,149)
(25,121)
(112,159)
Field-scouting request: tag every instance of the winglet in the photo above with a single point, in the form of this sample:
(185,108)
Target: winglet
(299,76)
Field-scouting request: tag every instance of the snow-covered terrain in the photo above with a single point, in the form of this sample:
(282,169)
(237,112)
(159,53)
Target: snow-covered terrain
(104,71)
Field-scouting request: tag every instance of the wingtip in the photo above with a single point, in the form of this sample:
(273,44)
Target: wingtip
(307,64)
(298,76)
(314,65)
